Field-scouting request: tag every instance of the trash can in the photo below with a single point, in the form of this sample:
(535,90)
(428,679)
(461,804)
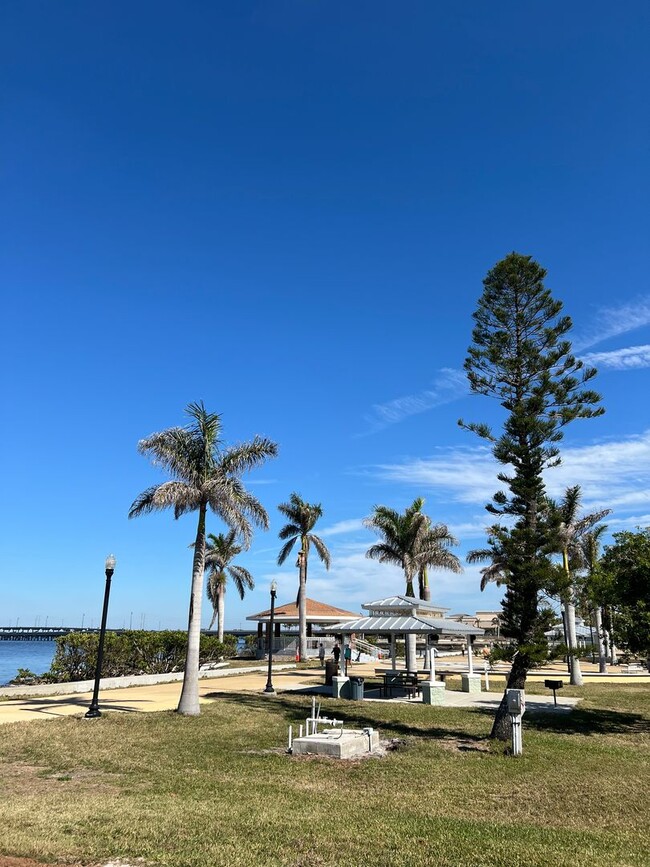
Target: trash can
(330,670)
(357,688)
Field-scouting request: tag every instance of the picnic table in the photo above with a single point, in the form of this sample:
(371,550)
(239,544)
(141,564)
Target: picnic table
(404,681)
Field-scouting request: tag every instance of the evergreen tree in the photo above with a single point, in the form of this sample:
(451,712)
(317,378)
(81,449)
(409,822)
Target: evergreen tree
(520,356)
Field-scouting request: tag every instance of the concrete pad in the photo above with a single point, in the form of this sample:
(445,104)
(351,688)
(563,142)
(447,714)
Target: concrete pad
(337,743)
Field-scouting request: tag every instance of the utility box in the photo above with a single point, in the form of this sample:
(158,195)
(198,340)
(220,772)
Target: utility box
(516,699)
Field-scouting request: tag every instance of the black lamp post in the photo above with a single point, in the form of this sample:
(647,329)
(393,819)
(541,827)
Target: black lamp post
(93,710)
(269,682)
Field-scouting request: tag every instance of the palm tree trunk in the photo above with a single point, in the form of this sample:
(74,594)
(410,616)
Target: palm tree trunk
(221,604)
(602,658)
(501,728)
(570,613)
(302,607)
(423,578)
(189,700)
(574,662)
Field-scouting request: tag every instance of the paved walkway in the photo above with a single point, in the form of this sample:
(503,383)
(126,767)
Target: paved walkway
(164,696)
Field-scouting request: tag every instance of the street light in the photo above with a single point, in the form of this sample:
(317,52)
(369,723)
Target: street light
(269,683)
(93,710)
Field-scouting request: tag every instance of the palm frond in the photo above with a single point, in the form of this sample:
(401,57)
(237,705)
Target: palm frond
(385,554)
(321,549)
(177,495)
(288,531)
(242,579)
(247,456)
(286,549)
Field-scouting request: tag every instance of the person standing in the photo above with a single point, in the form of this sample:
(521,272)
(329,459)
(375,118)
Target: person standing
(336,652)
(321,654)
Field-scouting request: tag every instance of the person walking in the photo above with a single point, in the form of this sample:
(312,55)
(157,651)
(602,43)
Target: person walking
(321,654)
(336,652)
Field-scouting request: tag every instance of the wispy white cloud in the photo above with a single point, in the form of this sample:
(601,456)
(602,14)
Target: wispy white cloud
(628,358)
(343,527)
(354,579)
(614,321)
(613,474)
(449,385)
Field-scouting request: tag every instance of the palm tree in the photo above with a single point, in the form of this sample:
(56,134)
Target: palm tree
(411,542)
(204,475)
(569,535)
(220,551)
(496,570)
(302,518)
(438,539)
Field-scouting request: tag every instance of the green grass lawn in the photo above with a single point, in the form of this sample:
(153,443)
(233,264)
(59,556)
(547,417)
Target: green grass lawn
(218,789)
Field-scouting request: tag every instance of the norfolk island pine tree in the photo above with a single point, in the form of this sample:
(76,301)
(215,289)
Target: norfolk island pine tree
(519,355)
(205,475)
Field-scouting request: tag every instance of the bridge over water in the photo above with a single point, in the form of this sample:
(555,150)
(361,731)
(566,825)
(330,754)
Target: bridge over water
(49,633)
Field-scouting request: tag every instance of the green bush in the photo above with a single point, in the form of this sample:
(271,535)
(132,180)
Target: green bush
(131,652)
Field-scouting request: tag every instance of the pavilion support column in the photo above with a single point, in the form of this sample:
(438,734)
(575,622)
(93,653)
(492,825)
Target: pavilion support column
(342,657)
(260,641)
(411,653)
(393,650)
(470,655)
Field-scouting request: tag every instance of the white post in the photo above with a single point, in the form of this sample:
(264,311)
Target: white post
(487,677)
(432,664)
(470,656)
(342,658)
(393,650)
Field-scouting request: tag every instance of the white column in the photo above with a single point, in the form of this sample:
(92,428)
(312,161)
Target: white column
(432,663)
(470,655)
(342,657)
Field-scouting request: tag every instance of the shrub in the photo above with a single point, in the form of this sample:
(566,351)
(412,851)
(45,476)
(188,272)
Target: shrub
(131,652)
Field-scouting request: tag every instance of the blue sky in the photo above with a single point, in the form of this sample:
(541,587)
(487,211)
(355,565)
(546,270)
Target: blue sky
(286,209)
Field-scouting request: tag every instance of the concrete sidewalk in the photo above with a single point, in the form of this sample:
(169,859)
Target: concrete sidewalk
(142,699)
(164,696)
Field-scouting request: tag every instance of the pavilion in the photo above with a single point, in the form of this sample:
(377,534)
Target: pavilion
(410,617)
(319,615)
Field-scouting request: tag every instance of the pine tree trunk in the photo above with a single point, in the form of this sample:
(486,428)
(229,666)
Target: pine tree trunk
(302,608)
(189,700)
(221,605)
(501,728)
(602,658)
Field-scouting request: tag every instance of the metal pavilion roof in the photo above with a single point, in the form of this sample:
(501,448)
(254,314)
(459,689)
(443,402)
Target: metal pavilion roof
(418,625)
(403,602)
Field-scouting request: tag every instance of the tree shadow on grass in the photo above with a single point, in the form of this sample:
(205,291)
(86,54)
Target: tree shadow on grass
(296,712)
(590,721)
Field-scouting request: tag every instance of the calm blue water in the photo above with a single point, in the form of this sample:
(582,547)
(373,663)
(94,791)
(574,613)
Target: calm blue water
(35,655)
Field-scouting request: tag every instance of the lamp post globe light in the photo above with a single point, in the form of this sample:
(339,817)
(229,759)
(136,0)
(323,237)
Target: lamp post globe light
(269,682)
(93,711)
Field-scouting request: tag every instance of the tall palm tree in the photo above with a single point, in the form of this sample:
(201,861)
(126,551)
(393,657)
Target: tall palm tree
(569,535)
(302,518)
(220,551)
(204,475)
(438,539)
(412,543)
